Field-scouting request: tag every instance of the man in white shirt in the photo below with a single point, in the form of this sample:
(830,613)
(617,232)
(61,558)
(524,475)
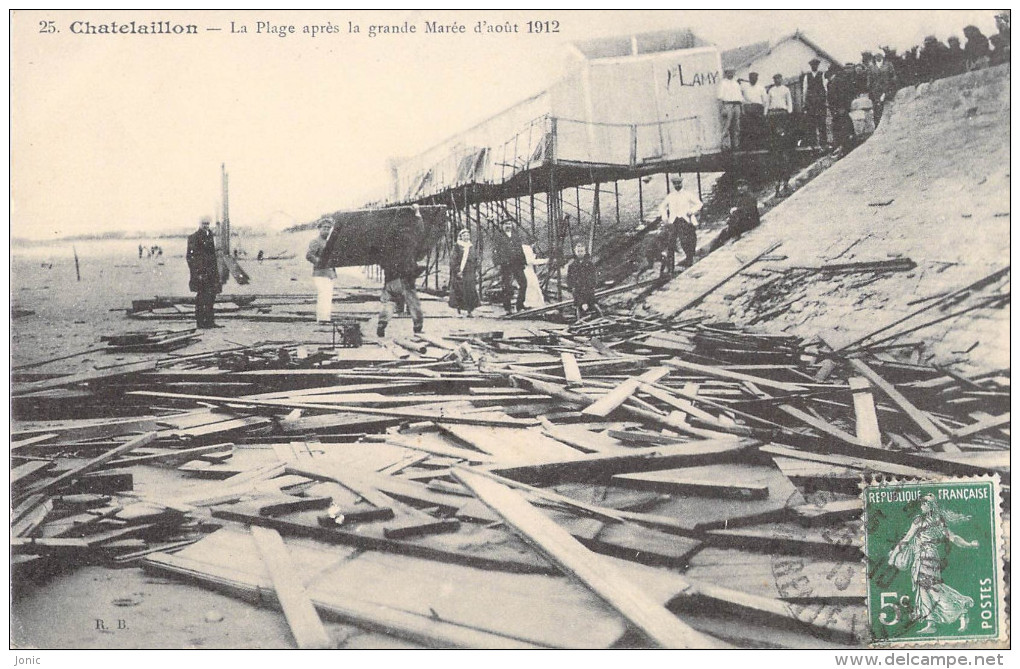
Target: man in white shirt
(678,220)
(779,108)
(779,98)
(752,119)
(730,99)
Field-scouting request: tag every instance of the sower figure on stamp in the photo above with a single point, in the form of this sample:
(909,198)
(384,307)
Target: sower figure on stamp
(918,551)
(508,255)
(323,277)
(205,277)
(399,272)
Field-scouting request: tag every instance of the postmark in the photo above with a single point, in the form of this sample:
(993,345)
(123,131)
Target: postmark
(934,562)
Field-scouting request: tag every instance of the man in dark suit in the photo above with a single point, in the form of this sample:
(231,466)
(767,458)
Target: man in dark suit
(815,104)
(508,255)
(205,277)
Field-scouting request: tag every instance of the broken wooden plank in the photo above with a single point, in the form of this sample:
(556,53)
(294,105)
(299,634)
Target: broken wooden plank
(95,463)
(463,418)
(571,372)
(432,632)
(673,482)
(297,607)
(864,410)
(918,416)
(647,615)
(28,471)
(721,373)
(618,395)
(74,379)
(602,466)
(982,425)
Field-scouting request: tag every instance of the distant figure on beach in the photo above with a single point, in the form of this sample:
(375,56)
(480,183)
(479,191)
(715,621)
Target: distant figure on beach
(140,250)
(260,256)
(322,277)
(400,271)
(205,278)
(464,274)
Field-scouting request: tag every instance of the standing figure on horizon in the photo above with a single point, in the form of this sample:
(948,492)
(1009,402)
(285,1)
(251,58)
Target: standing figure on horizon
(205,277)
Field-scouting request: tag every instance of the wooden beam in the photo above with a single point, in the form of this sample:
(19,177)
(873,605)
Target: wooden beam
(297,607)
(439,416)
(720,373)
(571,372)
(72,379)
(95,463)
(864,409)
(431,632)
(602,466)
(618,395)
(918,416)
(983,425)
(592,571)
(696,300)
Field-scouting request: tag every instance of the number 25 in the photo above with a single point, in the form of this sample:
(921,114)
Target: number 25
(47,27)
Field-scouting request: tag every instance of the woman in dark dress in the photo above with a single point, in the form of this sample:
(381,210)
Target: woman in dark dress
(464,274)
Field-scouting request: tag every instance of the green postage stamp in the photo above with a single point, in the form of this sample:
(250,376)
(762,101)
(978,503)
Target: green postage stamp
(934,554)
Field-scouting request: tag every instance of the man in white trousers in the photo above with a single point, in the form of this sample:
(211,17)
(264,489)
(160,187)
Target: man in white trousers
(322,276)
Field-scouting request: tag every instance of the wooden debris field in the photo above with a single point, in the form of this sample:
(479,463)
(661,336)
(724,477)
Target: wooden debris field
(624,482)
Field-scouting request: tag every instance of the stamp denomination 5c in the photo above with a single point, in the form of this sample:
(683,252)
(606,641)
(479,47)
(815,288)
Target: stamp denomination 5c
(934,552)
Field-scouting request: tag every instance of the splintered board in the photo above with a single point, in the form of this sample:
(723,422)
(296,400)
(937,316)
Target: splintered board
(698,511)
(498,603)
(511,444)
(793,578)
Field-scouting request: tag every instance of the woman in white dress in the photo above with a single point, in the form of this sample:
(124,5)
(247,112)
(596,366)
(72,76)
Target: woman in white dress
(533,297)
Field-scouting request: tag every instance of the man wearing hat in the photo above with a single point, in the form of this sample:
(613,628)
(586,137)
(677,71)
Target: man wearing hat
(752,119)
(744,215)
(815,103)
(322,276)
(205,276)
(881,83)
(730,99)
(508,256)
(678,221)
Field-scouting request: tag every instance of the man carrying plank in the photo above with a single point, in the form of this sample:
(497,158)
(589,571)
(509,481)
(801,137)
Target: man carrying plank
(401,270)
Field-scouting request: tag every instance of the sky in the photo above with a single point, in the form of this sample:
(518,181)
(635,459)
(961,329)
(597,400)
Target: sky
(128,132)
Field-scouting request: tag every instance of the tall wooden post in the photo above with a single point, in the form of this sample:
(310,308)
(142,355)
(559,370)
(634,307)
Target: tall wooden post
(616,191)
(640,200)
(225,229)
(531,197)
(596,216)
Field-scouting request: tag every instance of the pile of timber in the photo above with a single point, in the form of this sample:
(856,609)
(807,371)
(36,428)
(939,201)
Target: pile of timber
(274,308)
(678,485)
